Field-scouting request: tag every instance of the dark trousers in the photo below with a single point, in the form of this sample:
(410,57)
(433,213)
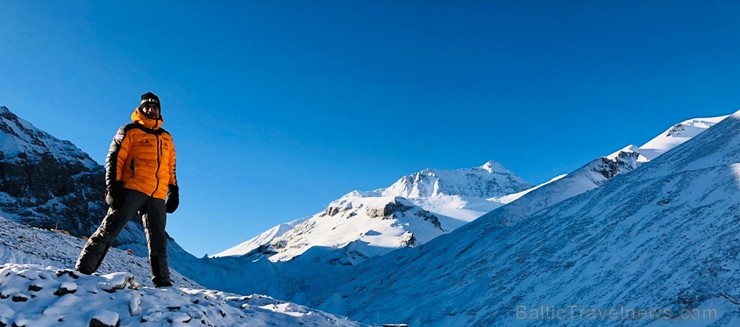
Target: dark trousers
(154,218)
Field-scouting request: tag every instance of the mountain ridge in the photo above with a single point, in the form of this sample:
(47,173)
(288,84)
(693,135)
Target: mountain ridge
(661,236)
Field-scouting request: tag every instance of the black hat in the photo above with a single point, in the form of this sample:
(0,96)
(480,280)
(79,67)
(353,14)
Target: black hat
(149,97)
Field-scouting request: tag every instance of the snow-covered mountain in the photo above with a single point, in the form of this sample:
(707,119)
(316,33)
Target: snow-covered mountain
(286,260)
(560,238)
(659,245)
(453,197)
(597,172)
(412,211)
(490,180)
(37,288)
(361,225)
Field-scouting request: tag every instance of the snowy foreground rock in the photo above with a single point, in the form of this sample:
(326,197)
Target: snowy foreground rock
(32,295)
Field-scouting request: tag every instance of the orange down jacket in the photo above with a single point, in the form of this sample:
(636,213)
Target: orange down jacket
(142,156)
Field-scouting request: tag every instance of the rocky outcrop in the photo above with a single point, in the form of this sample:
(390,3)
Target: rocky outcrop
(400,206)
(46,182)
(623,162)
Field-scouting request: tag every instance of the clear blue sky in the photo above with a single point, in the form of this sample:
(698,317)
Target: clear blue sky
(279,107)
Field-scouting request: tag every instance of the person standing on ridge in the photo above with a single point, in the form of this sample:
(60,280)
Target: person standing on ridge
(139,178)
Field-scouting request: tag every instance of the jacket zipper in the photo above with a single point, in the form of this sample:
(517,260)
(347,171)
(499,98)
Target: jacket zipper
(159,164)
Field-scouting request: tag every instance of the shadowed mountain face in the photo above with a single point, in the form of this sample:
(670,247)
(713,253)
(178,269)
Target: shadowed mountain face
(46,182)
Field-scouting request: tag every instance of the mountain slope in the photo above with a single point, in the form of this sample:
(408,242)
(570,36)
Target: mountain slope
(260,240)
(598,171)
(349,231)
(460,196)
(289,260)
(662,236)
(677,135)
(35,292)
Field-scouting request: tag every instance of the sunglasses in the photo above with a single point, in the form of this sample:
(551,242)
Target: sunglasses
(149,105)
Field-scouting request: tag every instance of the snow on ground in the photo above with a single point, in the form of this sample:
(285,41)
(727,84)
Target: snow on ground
(23,244)
(676,135)
(33,295)
(38,288)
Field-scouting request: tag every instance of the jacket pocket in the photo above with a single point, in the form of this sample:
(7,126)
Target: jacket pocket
(133,169)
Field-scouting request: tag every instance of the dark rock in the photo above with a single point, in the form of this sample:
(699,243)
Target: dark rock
(97,323)
(71,273)
(19,298)
(64,291)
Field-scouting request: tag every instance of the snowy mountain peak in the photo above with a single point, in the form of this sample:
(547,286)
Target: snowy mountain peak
(410,212)
(490,180)
(357,227)
(492,166)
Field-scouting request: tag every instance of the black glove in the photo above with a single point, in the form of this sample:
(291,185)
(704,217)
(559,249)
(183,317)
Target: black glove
(114,194)
(173,198)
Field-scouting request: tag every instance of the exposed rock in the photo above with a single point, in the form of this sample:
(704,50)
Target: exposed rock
(46,182)
(387,211)
(622,163)
(408,240)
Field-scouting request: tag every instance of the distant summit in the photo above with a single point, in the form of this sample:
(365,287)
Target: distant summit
(492,166)
(487,181)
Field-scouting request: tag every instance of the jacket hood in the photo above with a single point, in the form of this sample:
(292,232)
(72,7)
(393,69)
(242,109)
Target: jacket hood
(150,123)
